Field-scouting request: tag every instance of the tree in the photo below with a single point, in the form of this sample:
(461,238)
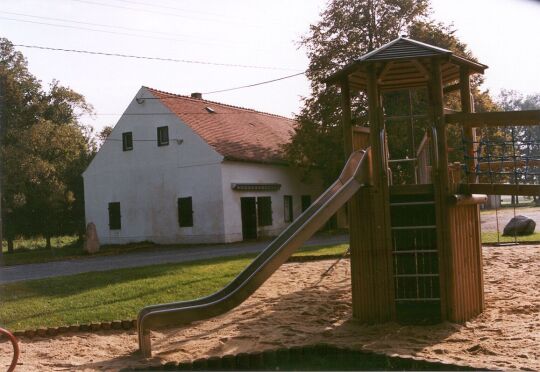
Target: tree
(104,134)
(347,30)
(44,150)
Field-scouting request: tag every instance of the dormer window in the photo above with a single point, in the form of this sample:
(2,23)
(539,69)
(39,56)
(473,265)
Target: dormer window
(163,136)
(127,141)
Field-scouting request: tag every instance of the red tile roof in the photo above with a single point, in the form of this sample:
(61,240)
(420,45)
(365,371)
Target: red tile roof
(236,133)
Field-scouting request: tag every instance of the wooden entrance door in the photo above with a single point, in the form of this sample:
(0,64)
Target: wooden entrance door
(249,218)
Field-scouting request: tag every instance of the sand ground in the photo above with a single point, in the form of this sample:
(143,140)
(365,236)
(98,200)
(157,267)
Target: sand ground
(297,307)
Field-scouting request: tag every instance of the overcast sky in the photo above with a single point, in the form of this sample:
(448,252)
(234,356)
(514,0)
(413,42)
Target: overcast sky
(258,37)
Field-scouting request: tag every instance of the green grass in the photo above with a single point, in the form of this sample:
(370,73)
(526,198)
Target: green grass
(119,294)
(63,248)
(490,237)
(323,250)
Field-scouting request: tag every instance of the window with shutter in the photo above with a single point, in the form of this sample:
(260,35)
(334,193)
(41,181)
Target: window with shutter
(306,202)
(163,136)
(264,211)
(287,208)
(115,218)
(185,212)
(127,141)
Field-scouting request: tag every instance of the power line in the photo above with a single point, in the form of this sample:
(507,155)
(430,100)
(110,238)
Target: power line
(185,38)
(153,5)
(256,84)
(152,58)
(170,14)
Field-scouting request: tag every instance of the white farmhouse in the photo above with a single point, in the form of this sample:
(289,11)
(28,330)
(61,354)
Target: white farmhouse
(179,169)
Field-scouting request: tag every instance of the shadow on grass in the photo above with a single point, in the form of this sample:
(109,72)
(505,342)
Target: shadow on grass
(104,294)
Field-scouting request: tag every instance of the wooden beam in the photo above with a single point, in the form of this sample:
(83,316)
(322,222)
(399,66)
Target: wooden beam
(498,165)
(346,117)
(467,107)
(384,71)
(495,119)
(464,199)
(451,88)
(500,189)
(440,181)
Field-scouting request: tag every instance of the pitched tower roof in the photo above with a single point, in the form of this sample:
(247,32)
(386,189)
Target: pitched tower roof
(403,63)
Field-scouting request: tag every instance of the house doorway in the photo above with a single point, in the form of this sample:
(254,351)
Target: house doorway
(248,208)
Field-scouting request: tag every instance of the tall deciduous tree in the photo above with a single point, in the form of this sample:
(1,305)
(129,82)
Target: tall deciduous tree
(44,150)
(348,30)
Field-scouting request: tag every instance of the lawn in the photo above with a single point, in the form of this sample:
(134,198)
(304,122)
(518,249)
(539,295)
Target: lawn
(119,294)
(63,248)
(490,237)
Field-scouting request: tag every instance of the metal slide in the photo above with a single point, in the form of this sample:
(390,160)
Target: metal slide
(353,176)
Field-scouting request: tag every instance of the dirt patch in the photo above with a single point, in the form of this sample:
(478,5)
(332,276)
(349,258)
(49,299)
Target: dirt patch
(295,307)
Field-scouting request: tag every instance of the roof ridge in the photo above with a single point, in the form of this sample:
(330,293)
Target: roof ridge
(217,103)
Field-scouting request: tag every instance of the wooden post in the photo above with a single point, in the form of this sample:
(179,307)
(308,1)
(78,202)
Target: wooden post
(441,186)
(371,254)
(467,107)
(346,117)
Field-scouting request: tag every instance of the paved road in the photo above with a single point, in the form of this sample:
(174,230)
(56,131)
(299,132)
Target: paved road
(10,274)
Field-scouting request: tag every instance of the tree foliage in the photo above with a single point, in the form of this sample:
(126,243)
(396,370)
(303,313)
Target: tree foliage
(346,31)
(44,151)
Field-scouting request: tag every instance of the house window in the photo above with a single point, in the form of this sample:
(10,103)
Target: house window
(115,219)
(306,202)
(185,212)
(163,136)
(288,208)
(127,141)
(264,211)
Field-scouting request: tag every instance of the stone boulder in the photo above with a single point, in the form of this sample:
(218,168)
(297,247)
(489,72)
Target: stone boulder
(519,225)
(91,243)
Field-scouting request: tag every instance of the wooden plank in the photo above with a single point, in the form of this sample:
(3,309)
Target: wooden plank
(440,181)
(495,119)
(467,107)
(411,189)
(500,189)
(346,117)
(464,199)
(498,165)
(451,88)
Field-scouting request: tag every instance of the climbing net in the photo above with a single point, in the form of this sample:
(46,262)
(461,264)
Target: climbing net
(507,155)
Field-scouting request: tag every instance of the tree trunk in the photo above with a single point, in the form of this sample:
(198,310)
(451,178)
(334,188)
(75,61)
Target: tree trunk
(10,245)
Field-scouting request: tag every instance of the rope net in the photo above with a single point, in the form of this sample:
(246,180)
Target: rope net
(505,155)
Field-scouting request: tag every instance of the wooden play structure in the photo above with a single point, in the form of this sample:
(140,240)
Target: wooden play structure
(413,212)
(415,231)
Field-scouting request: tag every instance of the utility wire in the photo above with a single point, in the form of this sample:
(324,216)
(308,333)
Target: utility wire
(256,84)
(152,58)
(179,37)
(170,14)
(275,21)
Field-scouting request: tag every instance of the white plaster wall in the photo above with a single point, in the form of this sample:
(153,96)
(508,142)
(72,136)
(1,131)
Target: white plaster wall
(148,180)
(244,172)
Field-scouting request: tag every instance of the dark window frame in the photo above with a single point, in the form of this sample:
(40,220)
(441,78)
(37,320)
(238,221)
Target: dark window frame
(185,211)
(264,211)
(127,141)
(163,136)
(288,208)
(115,216)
